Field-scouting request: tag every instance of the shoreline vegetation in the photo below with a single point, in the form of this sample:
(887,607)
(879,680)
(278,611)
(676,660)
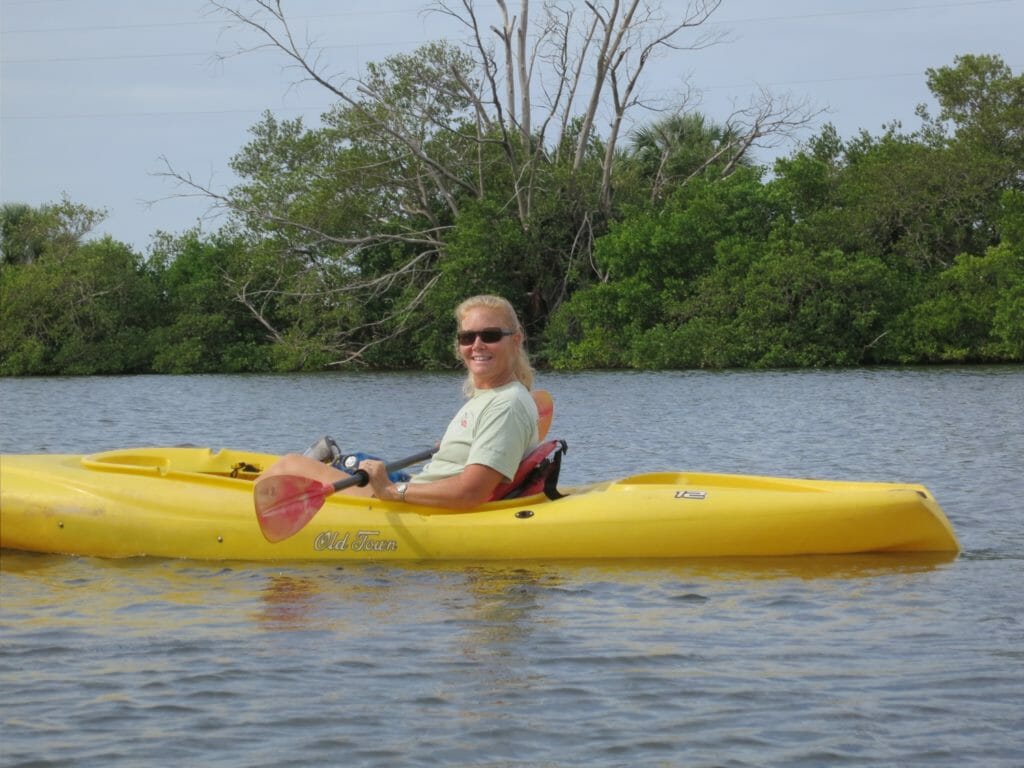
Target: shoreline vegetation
(674,251)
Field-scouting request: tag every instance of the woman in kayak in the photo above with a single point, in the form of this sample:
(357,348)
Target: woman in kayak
(488,437)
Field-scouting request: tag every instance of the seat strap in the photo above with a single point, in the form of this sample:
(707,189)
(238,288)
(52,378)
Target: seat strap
(537,472)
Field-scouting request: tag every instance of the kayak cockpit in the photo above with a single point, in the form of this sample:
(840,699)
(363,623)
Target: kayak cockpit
(160,462)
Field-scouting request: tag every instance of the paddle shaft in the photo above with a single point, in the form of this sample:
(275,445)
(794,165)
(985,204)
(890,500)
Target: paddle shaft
(359,477)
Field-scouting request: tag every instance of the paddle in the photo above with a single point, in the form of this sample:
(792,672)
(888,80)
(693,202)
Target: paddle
(545,411)
(285,503)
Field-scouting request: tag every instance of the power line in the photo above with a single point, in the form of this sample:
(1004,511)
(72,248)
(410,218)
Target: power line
(161,113)
(319,109)
(347,14)
(186,54)
(246,110)
(403,43)
(166,24)
(866,12)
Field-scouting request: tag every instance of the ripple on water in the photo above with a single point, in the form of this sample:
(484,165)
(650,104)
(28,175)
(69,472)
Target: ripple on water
(877,661)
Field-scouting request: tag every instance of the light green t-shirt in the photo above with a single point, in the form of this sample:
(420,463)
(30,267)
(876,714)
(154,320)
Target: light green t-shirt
(496,428)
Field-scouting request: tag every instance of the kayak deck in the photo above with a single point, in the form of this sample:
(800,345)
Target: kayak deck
(197,503)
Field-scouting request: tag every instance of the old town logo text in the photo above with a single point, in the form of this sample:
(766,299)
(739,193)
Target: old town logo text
(360,541)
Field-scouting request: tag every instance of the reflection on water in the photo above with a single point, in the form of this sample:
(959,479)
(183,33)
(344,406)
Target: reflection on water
(289,602)
(594,654)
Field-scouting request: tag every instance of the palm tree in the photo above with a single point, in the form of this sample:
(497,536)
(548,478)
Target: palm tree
(20,241)
(671,151)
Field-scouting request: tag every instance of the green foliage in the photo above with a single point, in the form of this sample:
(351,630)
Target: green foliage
(898,248)
(974,311)
(906,247)
(27,233)
(83,312)
(984,101)
(792,307)
(204,328)
(598,326)
(801,307)
(650,263)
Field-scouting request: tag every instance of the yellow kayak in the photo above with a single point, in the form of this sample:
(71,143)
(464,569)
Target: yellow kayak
(197,503)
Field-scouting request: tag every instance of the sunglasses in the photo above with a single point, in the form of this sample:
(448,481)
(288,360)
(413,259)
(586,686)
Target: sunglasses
(487,336)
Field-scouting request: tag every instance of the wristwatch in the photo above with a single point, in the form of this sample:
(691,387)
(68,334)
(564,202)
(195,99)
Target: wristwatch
(400,490)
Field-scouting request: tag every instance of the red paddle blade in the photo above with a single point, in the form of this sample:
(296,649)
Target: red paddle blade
(285,503)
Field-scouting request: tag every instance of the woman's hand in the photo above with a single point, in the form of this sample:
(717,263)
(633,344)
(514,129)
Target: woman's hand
(377,471)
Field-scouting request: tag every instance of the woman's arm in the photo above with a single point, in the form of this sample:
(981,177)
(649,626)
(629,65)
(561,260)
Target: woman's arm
(469,488)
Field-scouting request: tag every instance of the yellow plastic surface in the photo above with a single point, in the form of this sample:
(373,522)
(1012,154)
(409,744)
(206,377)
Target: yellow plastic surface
(197,503)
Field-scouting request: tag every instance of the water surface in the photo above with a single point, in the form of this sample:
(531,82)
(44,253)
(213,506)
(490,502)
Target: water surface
(861,661)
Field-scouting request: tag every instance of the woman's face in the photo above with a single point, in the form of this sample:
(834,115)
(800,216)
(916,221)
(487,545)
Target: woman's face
(489,363)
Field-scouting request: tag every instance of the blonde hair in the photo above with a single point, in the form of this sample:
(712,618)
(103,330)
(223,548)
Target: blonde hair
(521,367)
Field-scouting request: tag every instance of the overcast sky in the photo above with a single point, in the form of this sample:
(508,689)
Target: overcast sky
(93,93)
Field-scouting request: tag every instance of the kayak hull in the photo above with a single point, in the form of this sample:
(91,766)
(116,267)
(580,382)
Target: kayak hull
(197,503)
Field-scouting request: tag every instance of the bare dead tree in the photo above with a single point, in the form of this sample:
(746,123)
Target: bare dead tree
(601,48)
(546,84)
(603,53)
(626,58)
(765,122)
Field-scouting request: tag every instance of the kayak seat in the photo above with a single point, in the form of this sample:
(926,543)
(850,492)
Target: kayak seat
(537,473)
